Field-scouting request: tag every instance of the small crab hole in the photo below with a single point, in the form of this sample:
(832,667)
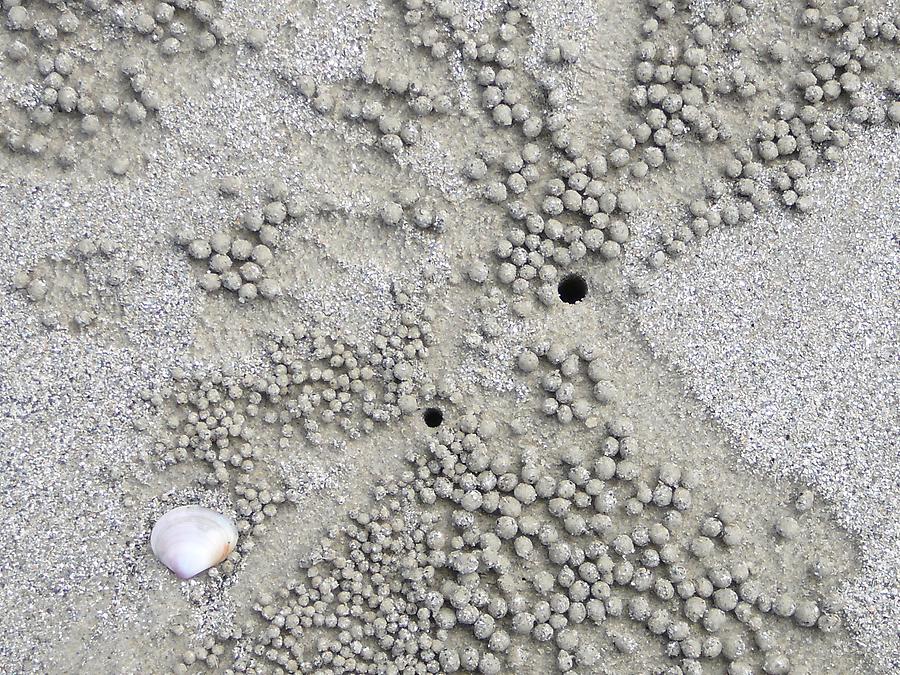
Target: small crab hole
(572,288)
(433,417)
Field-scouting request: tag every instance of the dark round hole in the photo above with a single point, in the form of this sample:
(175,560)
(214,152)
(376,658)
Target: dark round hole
(433,417)
(572,288)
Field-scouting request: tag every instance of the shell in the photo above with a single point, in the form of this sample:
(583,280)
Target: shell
(191,539)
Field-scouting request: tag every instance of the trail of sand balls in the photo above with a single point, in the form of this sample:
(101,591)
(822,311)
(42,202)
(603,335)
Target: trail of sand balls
(678,94)
(314,383)
(471,560)
(396,593)
(68,88)
(830,99)
(578,211)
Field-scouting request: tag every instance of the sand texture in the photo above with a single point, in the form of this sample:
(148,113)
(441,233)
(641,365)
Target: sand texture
(526,337)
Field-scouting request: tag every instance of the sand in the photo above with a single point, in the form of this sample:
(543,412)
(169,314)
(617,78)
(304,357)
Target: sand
(764,357)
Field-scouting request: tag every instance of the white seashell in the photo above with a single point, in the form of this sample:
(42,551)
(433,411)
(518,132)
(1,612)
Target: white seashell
(191,539)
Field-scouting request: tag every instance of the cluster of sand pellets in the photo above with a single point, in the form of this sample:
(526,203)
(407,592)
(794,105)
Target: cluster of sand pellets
(474,561)
(474,480)
(239,262)
(79,69)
